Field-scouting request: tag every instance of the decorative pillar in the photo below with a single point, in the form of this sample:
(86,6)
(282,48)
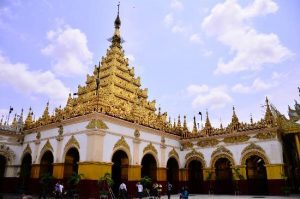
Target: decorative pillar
(161,174)
(136,151)
(35,171)
(58,165)
(239,175)
(94,170)
(208,179)
(134,172)
(58,170)
(95,145)
(37,147)
(183,175)
(275,175)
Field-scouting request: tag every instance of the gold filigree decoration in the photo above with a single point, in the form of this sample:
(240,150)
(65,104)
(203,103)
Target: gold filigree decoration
(195,155)
(72,143)
(252,147)
(254,153)
(46,147)
(122,143)
(38,135)
(96,124)
(236,139)
(208,143)
(221,152)
(266,135)
(7,153)
(27,150)
(150,147)
(137,133)
(173,153)
(187,145)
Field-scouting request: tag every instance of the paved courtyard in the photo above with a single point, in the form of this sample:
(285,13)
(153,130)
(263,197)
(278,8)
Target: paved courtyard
(192,196)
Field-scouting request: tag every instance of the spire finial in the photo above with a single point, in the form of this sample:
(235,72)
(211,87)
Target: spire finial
(118,7)
(118,21)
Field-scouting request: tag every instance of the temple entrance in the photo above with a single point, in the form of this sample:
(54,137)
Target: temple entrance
(46,163)
(256,176)
(119,169)
(25,170)
(195,175)
(173,173)
(71,162)
(224,184)
(149,167)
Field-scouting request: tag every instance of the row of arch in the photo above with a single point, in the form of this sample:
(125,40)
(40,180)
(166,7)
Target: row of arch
(255,170)
(223,183)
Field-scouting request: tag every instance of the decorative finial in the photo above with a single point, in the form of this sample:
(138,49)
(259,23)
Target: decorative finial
(118,7)
(118,21)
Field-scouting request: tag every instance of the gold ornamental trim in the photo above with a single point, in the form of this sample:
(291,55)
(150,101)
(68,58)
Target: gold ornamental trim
(72,143)
(221,152)
(187,145)
(253,150)
(137,133)
(208,143)
(96,124)
(7,153)
(195,155)
(121,143)
(236,139)
(252,146)
(173,153)
(266,135)
(151,148)
(26,151)
(47,147)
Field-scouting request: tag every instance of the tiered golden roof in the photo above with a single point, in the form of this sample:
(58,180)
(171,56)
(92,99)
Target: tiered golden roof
(113,89)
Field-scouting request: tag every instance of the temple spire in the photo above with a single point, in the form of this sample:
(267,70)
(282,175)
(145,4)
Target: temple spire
(195,130)
(118,23)
(268,115)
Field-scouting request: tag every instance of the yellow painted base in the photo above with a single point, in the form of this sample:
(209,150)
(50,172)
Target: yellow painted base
(134,172)
(208,174)
(58,170)
(94,170)
(239,172)
(35,171)
(183,174)
(161,174)
(275,171)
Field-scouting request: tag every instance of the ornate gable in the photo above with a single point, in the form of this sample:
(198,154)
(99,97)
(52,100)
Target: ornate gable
(151,148)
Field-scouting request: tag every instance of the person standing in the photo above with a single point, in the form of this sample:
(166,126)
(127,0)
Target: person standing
(139,190)
(123,190)
(169,189)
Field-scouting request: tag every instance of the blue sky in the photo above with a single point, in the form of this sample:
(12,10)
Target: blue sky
(192,55)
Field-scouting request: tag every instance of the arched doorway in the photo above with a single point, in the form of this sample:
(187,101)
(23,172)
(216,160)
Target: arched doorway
(224,184)
(173,172)
(25,170)
(71,162)
(149,167)
(119,169)
(46,163)
(256,176)
(195,176)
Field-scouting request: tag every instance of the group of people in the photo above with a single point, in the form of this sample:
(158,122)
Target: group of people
(156,191)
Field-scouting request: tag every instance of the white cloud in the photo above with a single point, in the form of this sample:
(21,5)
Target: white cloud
(229,22)
(32,82)
(68,48)
(169,19)
(179,29)
(195,38)
(176,5)
(257,85)
(212,98)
